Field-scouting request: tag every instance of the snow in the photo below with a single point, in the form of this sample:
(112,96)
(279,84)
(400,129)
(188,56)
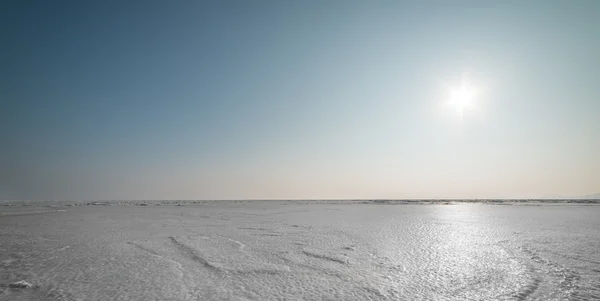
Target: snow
(297,250)
(20,284)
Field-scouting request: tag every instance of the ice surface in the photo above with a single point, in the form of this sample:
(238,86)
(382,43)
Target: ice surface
(20,284)
(293,250)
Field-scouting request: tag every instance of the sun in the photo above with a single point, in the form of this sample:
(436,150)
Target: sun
(461,98)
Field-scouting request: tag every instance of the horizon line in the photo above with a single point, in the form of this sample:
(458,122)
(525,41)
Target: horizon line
(311,199)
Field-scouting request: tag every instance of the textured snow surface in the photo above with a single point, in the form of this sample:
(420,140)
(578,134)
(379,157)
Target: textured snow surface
(276,250)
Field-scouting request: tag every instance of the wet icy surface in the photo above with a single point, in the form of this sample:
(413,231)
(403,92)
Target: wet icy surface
(301,251)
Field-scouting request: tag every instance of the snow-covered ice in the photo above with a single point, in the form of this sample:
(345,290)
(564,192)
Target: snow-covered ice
(293,250)
(20,284)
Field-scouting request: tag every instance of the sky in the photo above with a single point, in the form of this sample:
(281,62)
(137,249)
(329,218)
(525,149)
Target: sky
(105,100)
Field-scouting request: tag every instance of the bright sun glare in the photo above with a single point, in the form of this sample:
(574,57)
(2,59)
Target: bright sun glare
(461,98)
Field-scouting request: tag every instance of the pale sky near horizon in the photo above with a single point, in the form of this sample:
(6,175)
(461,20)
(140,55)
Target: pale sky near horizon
(298,99)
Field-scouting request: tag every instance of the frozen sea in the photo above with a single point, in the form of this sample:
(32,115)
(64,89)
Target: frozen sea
(294,250)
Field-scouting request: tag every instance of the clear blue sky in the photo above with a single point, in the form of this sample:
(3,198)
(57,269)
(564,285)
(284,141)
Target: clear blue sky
(298,99)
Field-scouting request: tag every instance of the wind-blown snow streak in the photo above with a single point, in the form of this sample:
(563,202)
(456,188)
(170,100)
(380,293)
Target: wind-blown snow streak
(337,259)
(191,253)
